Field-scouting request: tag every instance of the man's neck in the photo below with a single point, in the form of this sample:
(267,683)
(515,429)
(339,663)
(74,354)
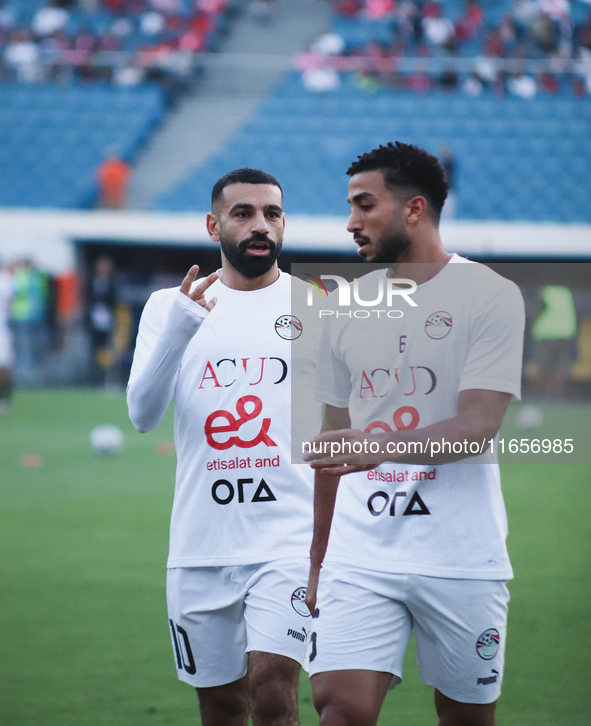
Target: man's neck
(235,280)
(422,261)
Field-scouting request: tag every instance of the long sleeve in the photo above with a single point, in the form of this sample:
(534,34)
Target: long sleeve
(168,323)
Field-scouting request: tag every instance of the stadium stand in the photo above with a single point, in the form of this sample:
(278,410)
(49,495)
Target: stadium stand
(506,92)
(505,85)
(52,139)
(125,42)
(517,159)
(79,80)
(518,28)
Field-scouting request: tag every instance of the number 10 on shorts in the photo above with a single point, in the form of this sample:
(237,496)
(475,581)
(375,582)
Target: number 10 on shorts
(182,649)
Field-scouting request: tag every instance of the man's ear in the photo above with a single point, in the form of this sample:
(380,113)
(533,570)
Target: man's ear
(213,226)
(415,209)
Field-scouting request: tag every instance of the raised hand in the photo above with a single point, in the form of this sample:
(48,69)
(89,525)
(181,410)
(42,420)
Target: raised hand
(197,294)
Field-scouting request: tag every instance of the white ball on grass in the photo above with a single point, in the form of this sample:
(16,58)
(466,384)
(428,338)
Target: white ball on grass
(106,439)
(529,417)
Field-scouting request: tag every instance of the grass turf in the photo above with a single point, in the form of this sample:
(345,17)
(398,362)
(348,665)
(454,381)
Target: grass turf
(83,544)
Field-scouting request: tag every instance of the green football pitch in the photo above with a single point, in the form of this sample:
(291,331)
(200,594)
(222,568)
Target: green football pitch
(83,541)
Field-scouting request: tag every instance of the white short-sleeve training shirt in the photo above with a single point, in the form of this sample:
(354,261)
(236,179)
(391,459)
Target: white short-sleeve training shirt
(404,372)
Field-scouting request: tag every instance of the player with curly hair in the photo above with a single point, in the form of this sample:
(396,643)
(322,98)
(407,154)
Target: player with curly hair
(409,519)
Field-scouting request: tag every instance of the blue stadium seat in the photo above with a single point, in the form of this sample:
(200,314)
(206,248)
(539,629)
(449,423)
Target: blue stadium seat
(65,132)
(506,150)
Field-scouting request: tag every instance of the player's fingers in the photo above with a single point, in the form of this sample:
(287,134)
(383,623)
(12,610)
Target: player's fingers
(344,469)
(208,305)
(199,290)
(324,442)
(328,466)
(321,461)
(188,279)
(312,588)
(314,456)
(339,470)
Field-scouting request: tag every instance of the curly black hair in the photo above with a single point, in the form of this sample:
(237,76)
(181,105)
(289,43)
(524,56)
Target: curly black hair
(405,165)
(244,175)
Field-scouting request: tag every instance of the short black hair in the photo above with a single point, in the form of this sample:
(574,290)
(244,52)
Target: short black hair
(244,175)
(405,165)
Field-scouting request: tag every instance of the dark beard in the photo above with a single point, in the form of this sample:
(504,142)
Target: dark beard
(246,264)
(390,248)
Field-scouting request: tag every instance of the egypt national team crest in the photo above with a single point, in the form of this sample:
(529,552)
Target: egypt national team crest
(438,325)
(487,644)
(288,327)
(298,602)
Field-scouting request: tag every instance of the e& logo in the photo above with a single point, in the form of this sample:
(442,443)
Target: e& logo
(231,424)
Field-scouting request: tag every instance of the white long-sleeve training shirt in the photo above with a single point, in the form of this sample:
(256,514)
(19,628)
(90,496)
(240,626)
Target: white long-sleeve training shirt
(238,499)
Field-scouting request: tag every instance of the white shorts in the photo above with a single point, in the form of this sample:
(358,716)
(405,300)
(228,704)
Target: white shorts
(217,615)
(365,620)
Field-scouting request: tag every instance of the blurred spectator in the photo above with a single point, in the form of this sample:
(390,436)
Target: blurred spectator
(113,177)
(129,75)
(150,36)
(470,24)
(140,32)
(552,332)
(328,44)
(121,27)
(7,16)
(449,80)
(524,12)
(102,302)
(583,35)
(420,82)
(507,32)
(318,74)
(50,19)
(6,345)
(485,70)
(529,29)
(439,30)
(22,56)
(29,312)
(473,85)
(378,9)
(320,79)
(65,286)
(366,81)
(555,9)
(522,85)
(548,83)
(152,23)
(493,45)
(262,10)
(348,8)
